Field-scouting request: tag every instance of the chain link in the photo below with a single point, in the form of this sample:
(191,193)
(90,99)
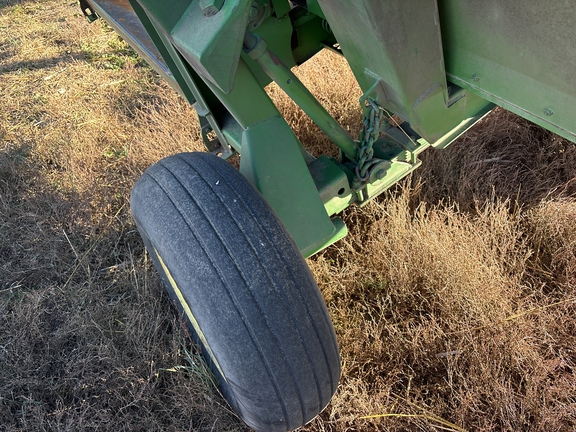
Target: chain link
(371,120)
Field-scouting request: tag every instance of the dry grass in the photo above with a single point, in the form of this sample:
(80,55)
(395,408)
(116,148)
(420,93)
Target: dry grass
(453,297)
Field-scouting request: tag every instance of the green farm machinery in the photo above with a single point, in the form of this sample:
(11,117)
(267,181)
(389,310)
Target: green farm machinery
(230,244)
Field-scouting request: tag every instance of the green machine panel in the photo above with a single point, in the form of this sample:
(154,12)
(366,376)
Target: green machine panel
(520,55)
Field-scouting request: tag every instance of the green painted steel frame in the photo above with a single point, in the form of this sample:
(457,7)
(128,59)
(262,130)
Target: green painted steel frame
(520,55)
(272,157)
(435,64)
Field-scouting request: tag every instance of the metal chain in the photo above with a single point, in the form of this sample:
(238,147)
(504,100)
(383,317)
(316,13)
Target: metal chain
(371,120)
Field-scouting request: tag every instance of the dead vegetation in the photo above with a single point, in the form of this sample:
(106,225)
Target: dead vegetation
(453,296)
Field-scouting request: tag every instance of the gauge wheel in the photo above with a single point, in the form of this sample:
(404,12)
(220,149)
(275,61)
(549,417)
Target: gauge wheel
(239,280)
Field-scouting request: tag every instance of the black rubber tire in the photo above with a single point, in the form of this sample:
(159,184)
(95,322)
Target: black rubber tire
(230,264)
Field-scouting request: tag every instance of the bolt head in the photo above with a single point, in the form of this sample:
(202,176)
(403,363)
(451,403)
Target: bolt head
(475,78)
(211,7)
(548,112)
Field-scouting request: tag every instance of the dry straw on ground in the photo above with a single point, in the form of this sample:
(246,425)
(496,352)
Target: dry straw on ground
(453,297)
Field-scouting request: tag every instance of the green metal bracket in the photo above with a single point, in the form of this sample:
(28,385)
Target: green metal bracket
(399,45)
(281,7)
(257,49)
(210,38)
(278,34)
(271,160)
(397,163)
(340,232)
(520,55)
(311,33)
(314,7)
(208,121)
(332,183)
